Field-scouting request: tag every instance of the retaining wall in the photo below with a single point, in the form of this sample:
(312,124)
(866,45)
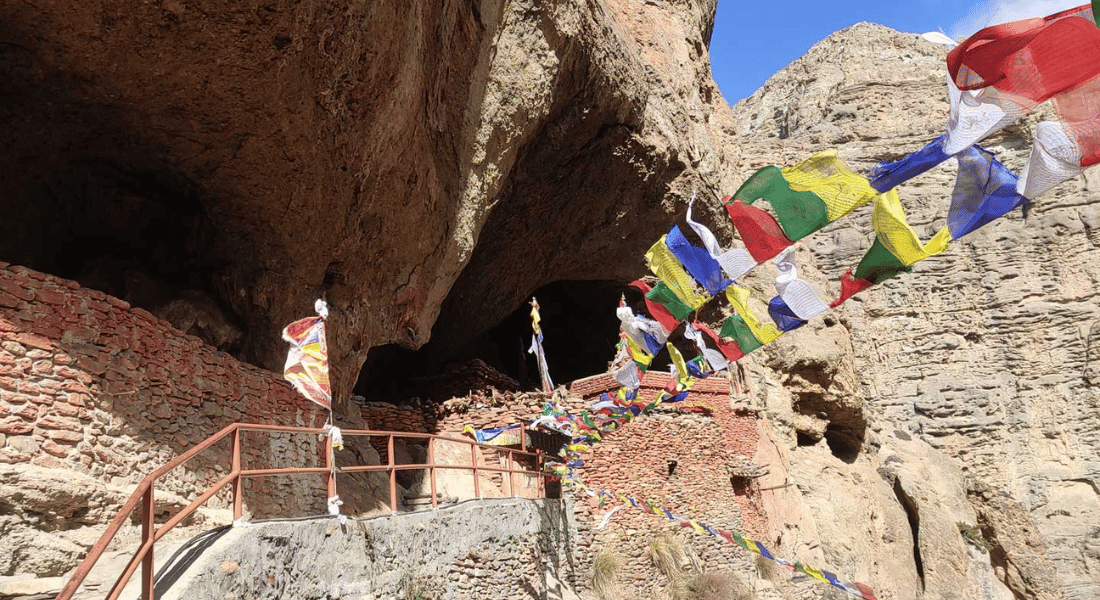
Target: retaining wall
(91,384)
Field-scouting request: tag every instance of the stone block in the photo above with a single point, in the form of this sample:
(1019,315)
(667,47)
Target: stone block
(52,447)
(9,301)
(65,436)
(50,296)
(15,426)
(24,444)
(57,422)
(33,340)
(28,412)
(16,288)
(64,409)
(47,461)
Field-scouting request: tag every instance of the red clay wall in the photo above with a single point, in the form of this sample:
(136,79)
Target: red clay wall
(704,435)
(90,384)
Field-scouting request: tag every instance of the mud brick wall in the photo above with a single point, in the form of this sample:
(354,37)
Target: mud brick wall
(91,384)
(677,457)
(704,435)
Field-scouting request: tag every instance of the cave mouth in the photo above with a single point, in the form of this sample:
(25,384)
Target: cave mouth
(580,332)
(89,196)
(137,233)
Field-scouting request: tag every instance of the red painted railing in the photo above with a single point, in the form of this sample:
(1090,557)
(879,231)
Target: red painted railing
(143,495)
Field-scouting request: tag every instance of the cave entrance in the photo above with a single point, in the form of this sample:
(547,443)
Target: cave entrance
(580,333)
(88,196)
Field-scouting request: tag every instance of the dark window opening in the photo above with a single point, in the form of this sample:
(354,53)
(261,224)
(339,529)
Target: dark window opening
(805,440)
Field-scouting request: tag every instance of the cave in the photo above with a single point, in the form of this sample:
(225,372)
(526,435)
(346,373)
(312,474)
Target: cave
(88,197)
(843,442)
(580,332)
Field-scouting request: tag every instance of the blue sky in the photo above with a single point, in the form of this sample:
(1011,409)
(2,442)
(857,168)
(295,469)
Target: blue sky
(753,40)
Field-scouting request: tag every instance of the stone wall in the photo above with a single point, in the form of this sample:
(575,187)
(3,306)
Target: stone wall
(90,384)
(709,437)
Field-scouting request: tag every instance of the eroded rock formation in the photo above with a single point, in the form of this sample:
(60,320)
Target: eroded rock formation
(432,163)
(280,151)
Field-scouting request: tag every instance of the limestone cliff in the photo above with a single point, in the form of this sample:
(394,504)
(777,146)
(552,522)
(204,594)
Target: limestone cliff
(973,371)
(430,163)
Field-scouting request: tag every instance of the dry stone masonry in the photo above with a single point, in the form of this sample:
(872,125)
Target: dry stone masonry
(93,389)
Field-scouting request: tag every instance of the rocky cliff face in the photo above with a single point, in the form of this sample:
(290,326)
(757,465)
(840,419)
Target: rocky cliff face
(432,163)
(983,354)
(370,152)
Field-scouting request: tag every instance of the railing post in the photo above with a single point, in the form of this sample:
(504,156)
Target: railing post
(330,462)
(238,495)
(473,460)
(431,469)
(147,532)
(512,473)
(522,437)
(393,475)
(539,474)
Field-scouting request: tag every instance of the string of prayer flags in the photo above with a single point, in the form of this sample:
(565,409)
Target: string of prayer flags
(668,269)
(735,262)
(495,436)
(537,349)
(307,361)
(746,543)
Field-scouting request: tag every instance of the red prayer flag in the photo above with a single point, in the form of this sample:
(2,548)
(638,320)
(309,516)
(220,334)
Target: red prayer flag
(656,309)
(760,232)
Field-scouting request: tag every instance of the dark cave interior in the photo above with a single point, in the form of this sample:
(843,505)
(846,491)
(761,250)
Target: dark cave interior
(580,331)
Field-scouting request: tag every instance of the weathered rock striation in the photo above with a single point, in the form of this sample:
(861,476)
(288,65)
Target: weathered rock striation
(426,165)
(983,353)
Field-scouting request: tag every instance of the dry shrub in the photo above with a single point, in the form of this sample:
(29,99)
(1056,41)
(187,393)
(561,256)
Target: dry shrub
(605,572)
(668,554)
(719,585)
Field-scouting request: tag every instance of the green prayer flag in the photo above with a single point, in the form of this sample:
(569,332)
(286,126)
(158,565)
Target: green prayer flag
(736,328)
(879,264)
(798,213)
(663,295)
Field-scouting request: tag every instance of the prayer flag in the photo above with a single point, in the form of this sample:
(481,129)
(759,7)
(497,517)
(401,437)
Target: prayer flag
(758,230)
(702,266)
(658,310)
(307,362)
(665,266)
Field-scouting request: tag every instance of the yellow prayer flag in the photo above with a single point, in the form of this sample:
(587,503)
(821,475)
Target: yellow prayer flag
(664,265)
(637,354)
(678,360)
(898,237)
(739,298)
(827,176)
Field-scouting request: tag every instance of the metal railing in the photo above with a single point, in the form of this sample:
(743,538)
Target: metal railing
(143,497)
